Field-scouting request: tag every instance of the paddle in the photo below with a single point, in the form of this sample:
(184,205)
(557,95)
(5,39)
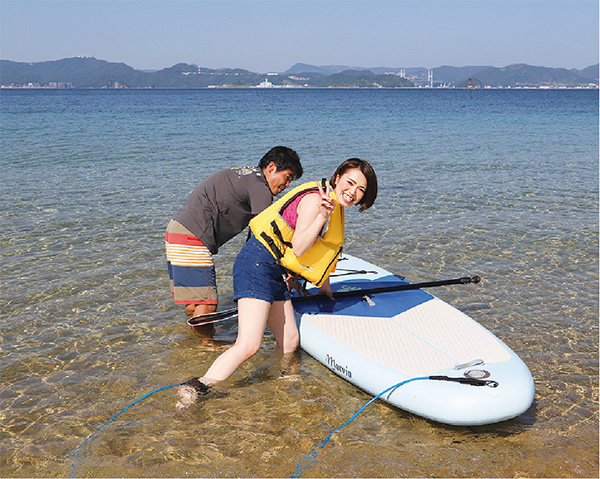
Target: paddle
(232,312)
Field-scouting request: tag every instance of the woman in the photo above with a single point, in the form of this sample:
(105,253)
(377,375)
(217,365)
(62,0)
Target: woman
(302,232)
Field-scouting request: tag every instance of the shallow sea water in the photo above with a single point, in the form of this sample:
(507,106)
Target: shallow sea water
(503,184)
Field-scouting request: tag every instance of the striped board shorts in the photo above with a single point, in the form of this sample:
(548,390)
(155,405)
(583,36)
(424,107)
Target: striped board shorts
(191,267)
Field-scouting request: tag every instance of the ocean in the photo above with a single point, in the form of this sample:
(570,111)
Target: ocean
(499,183)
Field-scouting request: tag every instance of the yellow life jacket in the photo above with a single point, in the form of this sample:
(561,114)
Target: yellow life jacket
(275,234)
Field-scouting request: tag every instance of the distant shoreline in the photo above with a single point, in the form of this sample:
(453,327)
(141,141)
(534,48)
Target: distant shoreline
(245,87)
(91,73)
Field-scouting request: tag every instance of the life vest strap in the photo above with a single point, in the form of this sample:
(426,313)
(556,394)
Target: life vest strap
(274,249)
(277,232)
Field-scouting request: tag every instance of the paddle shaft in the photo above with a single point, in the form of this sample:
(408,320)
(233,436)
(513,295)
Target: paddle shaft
(389,289)
(232,312)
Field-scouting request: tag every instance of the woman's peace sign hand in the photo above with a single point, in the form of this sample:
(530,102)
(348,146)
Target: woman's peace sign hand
(327,204)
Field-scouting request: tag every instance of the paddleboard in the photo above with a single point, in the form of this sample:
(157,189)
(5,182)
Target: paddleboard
(384,339)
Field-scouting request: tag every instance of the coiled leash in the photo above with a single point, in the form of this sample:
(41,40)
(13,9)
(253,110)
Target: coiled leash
(311,458)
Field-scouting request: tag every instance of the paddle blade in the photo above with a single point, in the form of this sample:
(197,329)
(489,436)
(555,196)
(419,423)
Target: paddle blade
(215,317)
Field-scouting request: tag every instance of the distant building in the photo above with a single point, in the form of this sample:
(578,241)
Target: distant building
(60,85)
(265,84)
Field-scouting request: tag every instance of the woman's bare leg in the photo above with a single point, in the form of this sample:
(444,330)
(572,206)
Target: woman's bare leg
(282,324)
(252,320)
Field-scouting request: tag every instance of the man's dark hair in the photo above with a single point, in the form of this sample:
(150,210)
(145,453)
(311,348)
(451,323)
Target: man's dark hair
(284,158)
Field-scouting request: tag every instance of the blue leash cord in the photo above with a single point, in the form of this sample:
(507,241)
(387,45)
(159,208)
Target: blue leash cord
(311,458)
(75,454)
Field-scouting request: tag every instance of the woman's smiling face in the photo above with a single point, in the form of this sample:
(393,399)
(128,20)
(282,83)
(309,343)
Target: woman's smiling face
(350,187)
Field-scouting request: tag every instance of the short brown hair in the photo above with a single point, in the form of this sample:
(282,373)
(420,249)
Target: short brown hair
(366,169)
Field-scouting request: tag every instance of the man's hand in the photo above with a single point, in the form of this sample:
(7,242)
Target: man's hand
(294,284)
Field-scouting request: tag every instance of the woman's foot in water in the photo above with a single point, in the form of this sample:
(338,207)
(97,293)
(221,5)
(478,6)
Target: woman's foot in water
(189,391)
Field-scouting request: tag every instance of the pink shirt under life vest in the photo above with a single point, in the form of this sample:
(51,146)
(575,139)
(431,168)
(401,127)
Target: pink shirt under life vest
(290,214)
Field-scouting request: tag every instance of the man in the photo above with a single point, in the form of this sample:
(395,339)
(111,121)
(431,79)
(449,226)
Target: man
(217,210)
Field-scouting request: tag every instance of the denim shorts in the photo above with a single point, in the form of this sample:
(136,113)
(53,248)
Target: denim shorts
(257,275)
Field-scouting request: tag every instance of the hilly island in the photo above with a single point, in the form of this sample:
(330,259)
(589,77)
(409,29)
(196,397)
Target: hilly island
(89,72)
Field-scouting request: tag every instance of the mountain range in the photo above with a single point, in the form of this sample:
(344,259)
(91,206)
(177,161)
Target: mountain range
(89,72)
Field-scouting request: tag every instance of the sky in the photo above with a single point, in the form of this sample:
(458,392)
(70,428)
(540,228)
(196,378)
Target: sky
(272,35)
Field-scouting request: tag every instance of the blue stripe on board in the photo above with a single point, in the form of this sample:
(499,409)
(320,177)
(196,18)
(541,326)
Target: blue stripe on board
(386,305)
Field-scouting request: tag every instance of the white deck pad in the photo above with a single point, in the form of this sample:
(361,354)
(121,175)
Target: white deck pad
(429,337)
(395,336)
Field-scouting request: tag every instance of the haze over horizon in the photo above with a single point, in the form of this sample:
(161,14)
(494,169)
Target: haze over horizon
(273,35)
